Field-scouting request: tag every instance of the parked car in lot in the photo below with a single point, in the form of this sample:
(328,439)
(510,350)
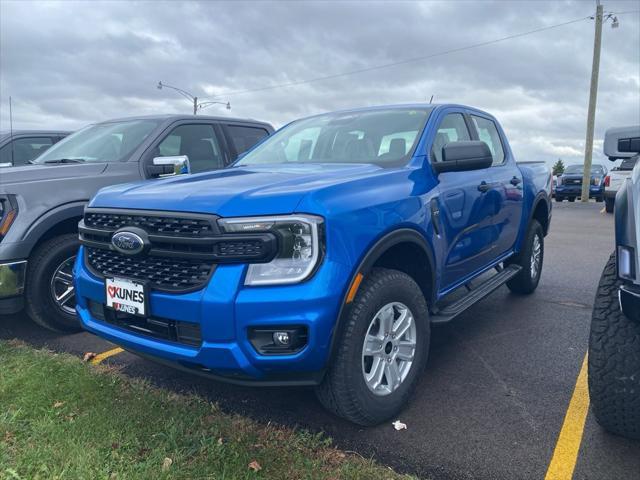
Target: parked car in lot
(569,185)
(620,144)
(322,257)
(21,146)
(41,204)
(614,343)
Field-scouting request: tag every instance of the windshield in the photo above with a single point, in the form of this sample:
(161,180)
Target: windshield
(104,142)
(579,169)
(382,137)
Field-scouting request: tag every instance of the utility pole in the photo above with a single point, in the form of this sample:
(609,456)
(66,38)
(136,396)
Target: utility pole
(195,105)
(593,93)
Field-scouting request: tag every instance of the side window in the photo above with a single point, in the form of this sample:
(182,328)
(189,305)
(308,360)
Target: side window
(25,149)
(452,129)
(198,142)
(488,133)
(244,138)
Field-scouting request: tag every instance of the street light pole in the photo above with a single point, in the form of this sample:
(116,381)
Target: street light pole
(591,115)
(192,98)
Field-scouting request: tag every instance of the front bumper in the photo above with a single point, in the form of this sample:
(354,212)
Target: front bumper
(630,302)
(225,310)
(576,191)
(12,279)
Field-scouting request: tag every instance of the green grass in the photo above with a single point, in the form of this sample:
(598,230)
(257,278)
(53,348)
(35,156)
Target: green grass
(63,419)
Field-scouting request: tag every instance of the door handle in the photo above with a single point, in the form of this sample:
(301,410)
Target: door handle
(484,187)
(515,181)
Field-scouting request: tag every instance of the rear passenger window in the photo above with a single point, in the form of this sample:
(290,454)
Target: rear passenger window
(452,129)
(244,138)
(488,133)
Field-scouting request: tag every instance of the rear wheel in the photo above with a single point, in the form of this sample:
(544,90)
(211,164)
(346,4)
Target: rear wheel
(614,360)
(600,199)
(572,199)
(382,350)
(559,199)
(530,259)
(609,203)
(49,293)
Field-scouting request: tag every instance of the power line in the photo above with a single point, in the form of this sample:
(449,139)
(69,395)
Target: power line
(406,61)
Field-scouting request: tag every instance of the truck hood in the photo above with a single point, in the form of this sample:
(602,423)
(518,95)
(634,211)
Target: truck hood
(238,191)
(38,173)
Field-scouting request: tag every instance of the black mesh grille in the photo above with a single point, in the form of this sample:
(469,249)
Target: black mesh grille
(245,248)
(189,227)
(164,273)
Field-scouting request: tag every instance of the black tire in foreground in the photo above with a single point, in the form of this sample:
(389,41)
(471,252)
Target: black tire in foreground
(614,360)
(49,294)
(351,388)
(609,203)
(530,258)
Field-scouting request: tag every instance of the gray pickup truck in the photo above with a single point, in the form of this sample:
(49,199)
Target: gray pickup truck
(41,203)
(19,147)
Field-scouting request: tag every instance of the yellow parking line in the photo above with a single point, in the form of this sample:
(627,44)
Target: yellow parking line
(565,454)
(104,355)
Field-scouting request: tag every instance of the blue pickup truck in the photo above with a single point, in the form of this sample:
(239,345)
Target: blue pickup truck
(321,257)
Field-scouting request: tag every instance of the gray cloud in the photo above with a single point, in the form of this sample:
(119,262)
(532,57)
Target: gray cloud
(67,64)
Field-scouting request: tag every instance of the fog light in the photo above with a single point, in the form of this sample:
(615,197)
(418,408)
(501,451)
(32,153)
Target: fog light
(278,340)
(625,263)
(281,338)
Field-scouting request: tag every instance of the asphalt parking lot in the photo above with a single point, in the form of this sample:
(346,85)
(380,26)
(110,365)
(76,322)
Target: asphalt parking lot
(496,392)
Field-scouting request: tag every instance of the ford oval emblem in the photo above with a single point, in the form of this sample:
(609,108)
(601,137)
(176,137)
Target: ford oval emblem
(128,243)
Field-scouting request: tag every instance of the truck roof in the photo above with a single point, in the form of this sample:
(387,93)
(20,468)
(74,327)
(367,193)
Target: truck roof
(15,133)
(173,117)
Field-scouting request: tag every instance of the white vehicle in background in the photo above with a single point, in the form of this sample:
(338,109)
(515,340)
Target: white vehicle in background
(618,142)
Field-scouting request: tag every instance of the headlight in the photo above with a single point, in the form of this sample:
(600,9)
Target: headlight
(8,213)
(300,246)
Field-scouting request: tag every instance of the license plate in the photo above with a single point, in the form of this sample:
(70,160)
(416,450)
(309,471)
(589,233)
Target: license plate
(126,296)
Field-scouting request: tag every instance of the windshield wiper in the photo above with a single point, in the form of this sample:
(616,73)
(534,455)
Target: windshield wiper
(66,160)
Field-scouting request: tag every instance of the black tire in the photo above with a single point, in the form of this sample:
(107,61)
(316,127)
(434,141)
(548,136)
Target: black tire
(40,303)
(526,282)
(559,199)
(600,199)
(614,360)
(609,204)
(572,199)
(344,390)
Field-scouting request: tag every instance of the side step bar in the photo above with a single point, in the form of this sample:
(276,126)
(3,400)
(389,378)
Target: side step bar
(449,312)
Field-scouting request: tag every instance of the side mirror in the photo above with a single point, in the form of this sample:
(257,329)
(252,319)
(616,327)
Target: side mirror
(463,156)
(168,166)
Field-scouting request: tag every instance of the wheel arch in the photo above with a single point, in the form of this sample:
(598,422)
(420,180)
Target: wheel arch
(404,249)
(541,211)
(61,220)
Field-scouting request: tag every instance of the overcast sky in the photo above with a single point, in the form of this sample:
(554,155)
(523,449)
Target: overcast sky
(67,64)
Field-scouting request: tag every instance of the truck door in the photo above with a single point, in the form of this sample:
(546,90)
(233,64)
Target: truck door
(507,191)
(466,210)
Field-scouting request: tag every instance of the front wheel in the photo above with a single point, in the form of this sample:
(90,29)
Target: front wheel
(530,259)
(49,293)
(382,350)
(559,199)
(614,360)
(572,199)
